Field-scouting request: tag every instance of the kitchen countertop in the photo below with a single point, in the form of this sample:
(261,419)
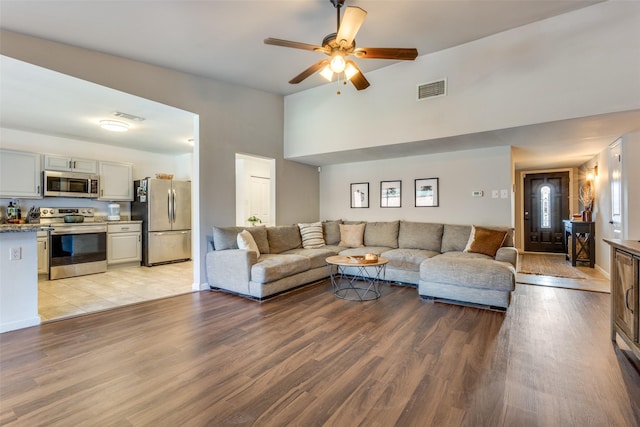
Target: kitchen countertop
(20,228)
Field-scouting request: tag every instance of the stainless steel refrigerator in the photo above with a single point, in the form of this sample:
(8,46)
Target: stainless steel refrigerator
(164,206)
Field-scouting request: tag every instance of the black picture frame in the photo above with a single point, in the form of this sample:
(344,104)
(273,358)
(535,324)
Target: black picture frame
(359,195)
(427,193)
(391,194)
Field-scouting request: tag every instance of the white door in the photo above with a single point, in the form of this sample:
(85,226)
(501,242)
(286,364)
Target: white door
(615,178)
(259,197)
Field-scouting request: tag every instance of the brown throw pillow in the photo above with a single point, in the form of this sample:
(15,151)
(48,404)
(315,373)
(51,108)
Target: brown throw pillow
(485,241)
(352,236)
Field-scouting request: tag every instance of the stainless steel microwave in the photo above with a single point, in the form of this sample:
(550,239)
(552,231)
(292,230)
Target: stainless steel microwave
(70,184)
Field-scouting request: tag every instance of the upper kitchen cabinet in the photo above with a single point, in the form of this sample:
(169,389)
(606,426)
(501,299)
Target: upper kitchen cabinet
(20,175)
(61,163)
(116,181)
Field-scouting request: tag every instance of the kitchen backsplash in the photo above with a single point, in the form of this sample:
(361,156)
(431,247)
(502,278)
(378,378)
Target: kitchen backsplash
(100,207)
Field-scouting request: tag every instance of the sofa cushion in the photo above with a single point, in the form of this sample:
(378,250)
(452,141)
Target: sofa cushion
(331,232)
(472,272)
(455,237)
(311,235)
(381,234)
(273,267)
(420,235)
(246,242)
(316,256)
(227,238)
(352,235)
(365,250)
(485,241)
(407,259)
(283,238)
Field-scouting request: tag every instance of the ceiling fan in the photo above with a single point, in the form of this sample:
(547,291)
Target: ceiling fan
(338,46)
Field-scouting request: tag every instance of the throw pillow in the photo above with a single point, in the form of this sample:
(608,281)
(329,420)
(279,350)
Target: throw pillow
(352,236)
(246,241)
(485,241)
(311,235)
(331,230)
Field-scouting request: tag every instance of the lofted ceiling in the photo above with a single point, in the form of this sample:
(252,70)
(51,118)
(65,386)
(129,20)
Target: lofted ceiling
(223,40)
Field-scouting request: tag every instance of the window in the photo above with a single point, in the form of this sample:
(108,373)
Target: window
(545,206)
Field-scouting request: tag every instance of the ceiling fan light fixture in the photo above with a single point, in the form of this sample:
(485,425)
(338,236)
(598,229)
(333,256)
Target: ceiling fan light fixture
(337,63)
(327,73)
(114,125)
(350,71)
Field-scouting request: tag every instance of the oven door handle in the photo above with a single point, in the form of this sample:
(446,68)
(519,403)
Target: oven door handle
(79,230)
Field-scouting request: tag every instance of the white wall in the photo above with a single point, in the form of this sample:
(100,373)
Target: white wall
(18,282)
(631,185)
(459,173)
(581,63)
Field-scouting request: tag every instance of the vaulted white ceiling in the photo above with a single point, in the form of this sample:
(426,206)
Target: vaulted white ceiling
(223,40)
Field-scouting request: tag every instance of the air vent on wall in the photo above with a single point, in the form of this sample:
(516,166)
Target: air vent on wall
(432,89)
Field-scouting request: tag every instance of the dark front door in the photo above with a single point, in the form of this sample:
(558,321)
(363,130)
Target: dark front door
(546,204)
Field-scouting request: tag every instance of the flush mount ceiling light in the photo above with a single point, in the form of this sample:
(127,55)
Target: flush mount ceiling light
(114,125)
(341,44)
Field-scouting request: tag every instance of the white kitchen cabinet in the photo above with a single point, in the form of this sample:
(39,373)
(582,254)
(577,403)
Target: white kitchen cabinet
(20,175)
(43,252)
(116,181)
(124,243)
(61,163)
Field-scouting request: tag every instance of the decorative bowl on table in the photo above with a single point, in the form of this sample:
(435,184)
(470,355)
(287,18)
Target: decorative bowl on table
(363,259)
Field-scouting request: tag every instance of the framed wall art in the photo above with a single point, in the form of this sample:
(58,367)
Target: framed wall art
(360,195)
(390,194)
(426,192)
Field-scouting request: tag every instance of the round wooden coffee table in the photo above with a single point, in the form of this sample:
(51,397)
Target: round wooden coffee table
(354,279)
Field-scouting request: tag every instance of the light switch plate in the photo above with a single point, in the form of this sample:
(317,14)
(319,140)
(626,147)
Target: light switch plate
(477,193)
(495,194)
(504,194)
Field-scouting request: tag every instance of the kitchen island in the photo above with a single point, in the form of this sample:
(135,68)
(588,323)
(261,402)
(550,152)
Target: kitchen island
(18,276)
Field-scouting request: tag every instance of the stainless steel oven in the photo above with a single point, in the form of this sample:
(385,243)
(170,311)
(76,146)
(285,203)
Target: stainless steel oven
(75,249)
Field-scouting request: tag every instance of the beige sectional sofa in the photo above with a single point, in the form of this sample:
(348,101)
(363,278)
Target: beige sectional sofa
(430,256)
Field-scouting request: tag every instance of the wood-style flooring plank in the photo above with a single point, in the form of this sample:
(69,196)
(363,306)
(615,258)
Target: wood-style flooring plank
(308,358)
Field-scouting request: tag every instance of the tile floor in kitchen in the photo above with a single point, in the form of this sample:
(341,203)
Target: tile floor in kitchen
(62,298)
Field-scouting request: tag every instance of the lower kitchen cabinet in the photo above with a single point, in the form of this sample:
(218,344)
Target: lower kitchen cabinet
(124,244)
(43,252)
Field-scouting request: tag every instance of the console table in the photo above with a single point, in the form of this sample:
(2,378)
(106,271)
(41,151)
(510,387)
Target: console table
(583,239)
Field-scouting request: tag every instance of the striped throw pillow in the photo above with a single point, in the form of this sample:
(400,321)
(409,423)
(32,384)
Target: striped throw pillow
(311,235)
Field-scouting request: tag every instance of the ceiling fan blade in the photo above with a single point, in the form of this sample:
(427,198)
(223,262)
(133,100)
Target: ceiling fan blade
(403,54)
(306,73)
(358,79)
(295,45)
(351,21)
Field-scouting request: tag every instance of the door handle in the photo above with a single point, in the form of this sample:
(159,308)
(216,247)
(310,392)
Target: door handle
(626,299)
(174,206)
(169,205)
(526,216)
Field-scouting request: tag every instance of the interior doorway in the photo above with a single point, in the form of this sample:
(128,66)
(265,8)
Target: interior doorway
(546,204)
(255,189)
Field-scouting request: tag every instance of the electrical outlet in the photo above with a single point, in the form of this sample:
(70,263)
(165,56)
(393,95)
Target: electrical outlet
(15,254)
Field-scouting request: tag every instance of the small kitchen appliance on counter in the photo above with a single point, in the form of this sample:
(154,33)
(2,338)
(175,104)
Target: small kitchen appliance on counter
(114,212)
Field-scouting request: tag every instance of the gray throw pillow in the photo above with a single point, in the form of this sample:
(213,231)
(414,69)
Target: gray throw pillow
(283,238)
(420,235)
(331,231)
(381,234)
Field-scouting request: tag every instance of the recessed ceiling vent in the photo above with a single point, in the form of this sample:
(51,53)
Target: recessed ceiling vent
(128,116)
(433,89)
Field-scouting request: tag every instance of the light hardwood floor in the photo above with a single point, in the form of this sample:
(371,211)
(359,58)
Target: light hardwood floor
(310,359)
(62,298)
